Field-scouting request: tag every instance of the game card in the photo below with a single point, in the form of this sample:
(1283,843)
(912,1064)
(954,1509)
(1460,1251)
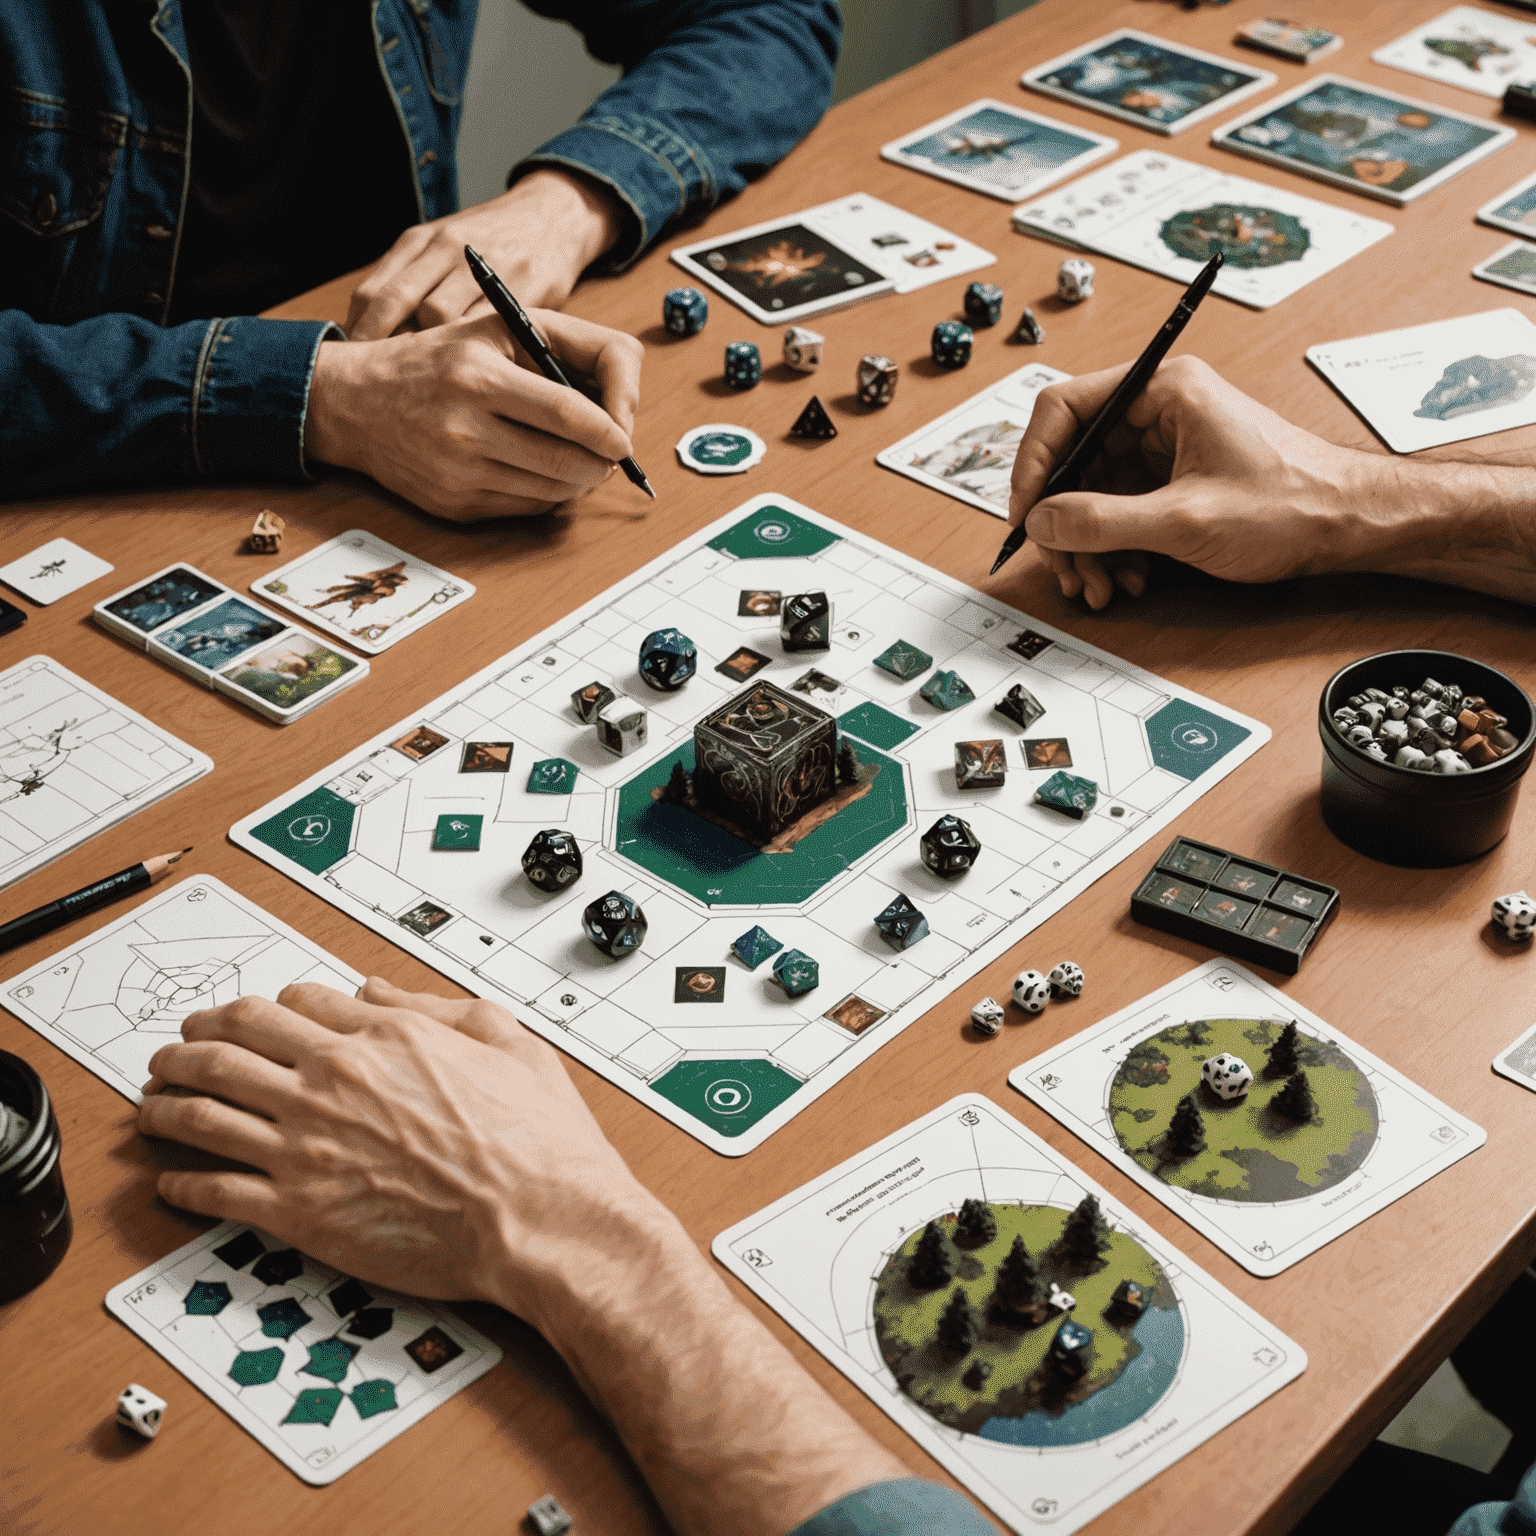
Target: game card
(1266,1129)
(1000,150)
(319,1368)
(1103,1359)
(363,590)
(1445,382)
(1376,142)
(1147,81)
(1293,40)
(1169,216)
(1518,1061)
(1514,210)
(1469,48)
(968,452)
(1511,266)
(52,571)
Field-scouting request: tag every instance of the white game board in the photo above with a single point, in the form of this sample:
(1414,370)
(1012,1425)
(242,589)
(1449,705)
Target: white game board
(733,1063)
(1386,1134)
(1197,1359)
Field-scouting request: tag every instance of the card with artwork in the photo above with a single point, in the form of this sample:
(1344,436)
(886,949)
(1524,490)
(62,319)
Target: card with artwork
(1293,40)
(1000,150)
(1469,48)
(1518,1061)
(1445,382)
(1514,210)
(52,571)
(1147,81)
(1511,266)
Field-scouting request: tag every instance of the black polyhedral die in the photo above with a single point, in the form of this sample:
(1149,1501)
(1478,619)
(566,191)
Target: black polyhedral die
(950,344)
(950,847)
(983,304)
(805,622)
(743,364)
(552,860)
(615,924)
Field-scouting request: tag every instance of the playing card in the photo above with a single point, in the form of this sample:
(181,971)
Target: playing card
(1289,39)
(1512,266)
(1170,215)
(1514,209)
(52,571)
(1469,48)
(286,679)
(1518,1061)
(914,251)
(363,590)
(1147,81)
(1371,141)
(1000,150)
(1441,383)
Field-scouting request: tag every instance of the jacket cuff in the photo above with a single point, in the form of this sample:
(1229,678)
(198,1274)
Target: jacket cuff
(906,1507)
(250,393)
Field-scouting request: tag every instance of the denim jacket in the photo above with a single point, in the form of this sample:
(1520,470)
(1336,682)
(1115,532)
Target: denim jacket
(96,389)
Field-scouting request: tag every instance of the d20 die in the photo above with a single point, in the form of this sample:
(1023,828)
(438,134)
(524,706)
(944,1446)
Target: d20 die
(552,861)
(903,660)
(1515,915)
(980,765)
(983,304)
(1074,280)
(1227,1076)
(754,946)
(764,758)
(140,1410)
(805,622)
(668,658)
(1031,991)
(796,972)
(901,925)
(1066,980)
(622,725)
(743,365)
(1020,706)
(947,690)
(950,847)
(876,379)
(802,349)
(684,311)
(1069,794)
(987,1017)
(950,344)
(615,924)
(587,701)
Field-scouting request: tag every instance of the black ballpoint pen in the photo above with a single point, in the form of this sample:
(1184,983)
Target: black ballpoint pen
(1067,474)
(516,320)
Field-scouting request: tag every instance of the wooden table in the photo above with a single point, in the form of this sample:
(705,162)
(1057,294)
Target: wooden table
(1409,969)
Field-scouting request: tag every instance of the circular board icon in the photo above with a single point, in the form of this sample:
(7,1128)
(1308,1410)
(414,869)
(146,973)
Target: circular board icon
(718,448)
(309,829)
(1194,736)
(727,1096)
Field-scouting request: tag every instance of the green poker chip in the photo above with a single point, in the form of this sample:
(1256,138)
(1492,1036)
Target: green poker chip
(718,448)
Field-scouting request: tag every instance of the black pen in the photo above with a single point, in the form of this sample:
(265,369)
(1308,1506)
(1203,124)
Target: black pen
(54,914)
(516,320)
(1067,475)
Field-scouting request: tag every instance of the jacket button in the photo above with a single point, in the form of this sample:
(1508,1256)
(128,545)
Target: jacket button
(158,232)
(47,209)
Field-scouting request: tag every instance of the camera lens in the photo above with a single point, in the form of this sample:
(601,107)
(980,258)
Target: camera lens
(35,1226)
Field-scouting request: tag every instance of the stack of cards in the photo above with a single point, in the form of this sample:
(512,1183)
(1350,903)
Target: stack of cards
(1469,48)
(228,643)
(1292,40)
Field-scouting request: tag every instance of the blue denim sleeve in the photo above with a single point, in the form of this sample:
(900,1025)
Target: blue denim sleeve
(116,400)
(1517,1518)
(906,1507)
(714,93)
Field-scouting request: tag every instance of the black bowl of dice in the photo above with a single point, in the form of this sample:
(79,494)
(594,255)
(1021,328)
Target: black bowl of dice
(1423,753)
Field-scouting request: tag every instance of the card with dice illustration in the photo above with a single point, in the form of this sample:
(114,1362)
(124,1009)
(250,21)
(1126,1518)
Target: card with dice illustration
(1262,1126)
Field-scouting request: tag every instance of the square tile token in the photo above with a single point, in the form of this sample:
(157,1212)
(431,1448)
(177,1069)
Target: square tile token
(1298,897)
(424,918)
(903,660)
(420,743)
(53,570)
(552,776)
(816,682)
(754,604)
(1284,928)
(1188,860)
(457,832)
(1246,879)
(1226,910)
(854,1014)
(1048,752)
(1029,644)
(1168,892)
(742,663)
(486,757)
(699,984)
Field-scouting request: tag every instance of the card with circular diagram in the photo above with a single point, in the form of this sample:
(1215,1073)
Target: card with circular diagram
(1261,1125)
(1009,1314)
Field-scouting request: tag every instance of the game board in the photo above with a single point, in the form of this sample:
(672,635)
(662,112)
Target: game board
(1265,1189)
(116,996)
(682,1024)
(1041,1450)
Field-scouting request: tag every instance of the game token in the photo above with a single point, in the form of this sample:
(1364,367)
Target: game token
(1031,991)
(802,349)
(805,622)
(140,1410)
(743,365)
(1515,915)
(796,972)
(950,847)
(1069,794)
(266,536)
(1227,1076)
(987,1017)
(947,690)
(718,448)
(1074,280)
(552,776)
(813,422)
(755,946)
(903,660)
(1020,706)
(589,700)
(901,925)
(1029,330)
(684,311)
(457,833)
(1292,40)
(980,764)
(622,725)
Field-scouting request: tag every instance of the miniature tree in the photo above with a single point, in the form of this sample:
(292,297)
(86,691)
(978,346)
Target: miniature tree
(678,788)
(1018,1280)
(1281,1061)
(957,1330)
(1295,1100)
(1084,1238)
(1186,1132)
(932,1263)
(976,1226)
(847,764)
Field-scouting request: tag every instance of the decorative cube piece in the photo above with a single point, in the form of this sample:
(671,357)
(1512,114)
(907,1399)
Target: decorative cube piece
(1029,330)
(987,1017)
(813,422)
(1066,980)
(1020,706)
(684,311)
(876,379)
(950,847)
(796,972)
(267,533)
(587,701)
(1227,1076)
(140,1410)
(802,349)
(1070,795)
(1060,1300)
(615,924)
(1515,915)
(1071,1350)
(457,833)
(622,726)
(668,658)
(805,622)
(1031,991)
(980,764)
(764,758)
(947,690)
(553,776)
(743,365)
(754,946)
(545,1515)
(901,925)
(552,861)
(1074,280)
(950,344)
(903,660)
(983,304)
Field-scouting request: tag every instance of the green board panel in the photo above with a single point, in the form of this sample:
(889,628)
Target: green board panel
(773,533)
(256,1367)
(314,1405)
(1186,739)
(314,832)
(879,727)
(728,1096)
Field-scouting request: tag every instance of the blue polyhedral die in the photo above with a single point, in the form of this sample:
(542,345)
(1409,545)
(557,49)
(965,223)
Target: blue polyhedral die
(901,925)
(947,690)
(951,344)
(983,304)
(684,311)
(743,364)
(903,660)
(754,946)
(668,658)
(615,924)
(796,972)
(1067,793)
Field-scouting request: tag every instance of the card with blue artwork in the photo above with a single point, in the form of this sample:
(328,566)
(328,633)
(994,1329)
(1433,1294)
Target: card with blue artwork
(1511,266)
(1147,81)
(1000,150)
(1371,141)
(1518,1061)
(1514,209)
(1469,48)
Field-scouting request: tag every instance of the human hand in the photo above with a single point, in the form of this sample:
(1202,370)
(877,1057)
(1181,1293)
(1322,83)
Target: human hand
(540,237)
(455,420)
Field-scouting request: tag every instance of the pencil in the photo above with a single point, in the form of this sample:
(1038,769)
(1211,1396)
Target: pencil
(54,914)
(516,320)
(1069,473)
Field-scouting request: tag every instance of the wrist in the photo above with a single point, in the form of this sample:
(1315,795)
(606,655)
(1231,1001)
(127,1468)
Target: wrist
(586,213)
(328,424)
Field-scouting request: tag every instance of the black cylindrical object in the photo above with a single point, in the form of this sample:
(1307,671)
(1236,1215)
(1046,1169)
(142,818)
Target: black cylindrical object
(35,1226)
(1405,817)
